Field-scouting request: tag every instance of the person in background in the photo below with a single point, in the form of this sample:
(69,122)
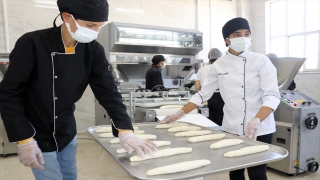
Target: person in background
(215,103)
(293,84)
(153,76)
(249,88)
(48,73)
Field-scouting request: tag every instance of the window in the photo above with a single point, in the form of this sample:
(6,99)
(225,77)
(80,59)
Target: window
(295,30)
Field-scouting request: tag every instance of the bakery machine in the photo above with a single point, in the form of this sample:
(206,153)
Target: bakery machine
(5,146)
(296,118)
(129,49)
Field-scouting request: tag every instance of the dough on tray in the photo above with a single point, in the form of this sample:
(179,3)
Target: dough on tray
(163,153)
(104,130)
(225,143)
(139,131)
(143,136)
(147,136)
(106,135)
(193,133)
(178,167)
(247,150)
(170,125)
(206,137)
(184,128)
(108,129)
(158,143)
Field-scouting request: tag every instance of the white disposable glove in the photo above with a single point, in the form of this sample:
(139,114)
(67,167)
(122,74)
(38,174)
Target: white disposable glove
(130,142)
(173,117)
(30,155)
(252,128)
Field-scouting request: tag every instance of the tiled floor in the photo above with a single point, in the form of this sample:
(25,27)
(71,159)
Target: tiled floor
(94,163)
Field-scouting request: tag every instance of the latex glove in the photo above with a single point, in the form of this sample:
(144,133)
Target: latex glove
(252,128)
(173,117)
(130,142)
(30,155)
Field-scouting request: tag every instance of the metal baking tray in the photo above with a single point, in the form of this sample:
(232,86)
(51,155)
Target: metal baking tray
(200,150)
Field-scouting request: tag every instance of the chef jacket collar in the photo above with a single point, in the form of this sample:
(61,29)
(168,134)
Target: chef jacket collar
(57,42)
(241,55)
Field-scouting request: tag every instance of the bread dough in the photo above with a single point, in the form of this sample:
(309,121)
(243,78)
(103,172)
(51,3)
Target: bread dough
(225,143)
(170,125)
(146,136)
(104,130)
(143,136)
(108,129)
(106,135)
(206,137)
(184,128)
(115,141)
(247,150)
(158,143)
(171,106)
(178,167)
(139,131)
(163,153)
(192,133)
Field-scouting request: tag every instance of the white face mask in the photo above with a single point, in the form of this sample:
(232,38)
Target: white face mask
(240,44)
(82,34)
(164,65)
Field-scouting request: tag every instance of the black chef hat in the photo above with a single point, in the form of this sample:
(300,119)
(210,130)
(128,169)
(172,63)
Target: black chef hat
(157,58)
(88,10)
(234,25)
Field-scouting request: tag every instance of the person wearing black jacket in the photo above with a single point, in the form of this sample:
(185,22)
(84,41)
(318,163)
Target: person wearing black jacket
(154,80)
(49,71)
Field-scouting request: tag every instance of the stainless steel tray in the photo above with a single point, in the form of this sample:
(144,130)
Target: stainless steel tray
(200,150)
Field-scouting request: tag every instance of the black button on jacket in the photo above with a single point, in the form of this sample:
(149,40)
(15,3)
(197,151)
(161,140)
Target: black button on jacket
(153,77)
(42,83)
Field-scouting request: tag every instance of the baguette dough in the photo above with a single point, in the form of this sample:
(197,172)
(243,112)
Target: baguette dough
(139,131)
(114,141)
(108,129)
(158,143)
(143,136)
(163,153)
(247,150)
(178,167)
(146,136)
(104,130)
(225,143)
(106,135)
(184,128)
(170,125)
(206,137)
(171,106)
(193,133)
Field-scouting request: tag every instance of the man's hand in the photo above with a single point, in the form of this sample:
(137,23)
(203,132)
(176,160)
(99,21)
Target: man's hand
(30,155)
(252,128)
(173,117)
(130,142)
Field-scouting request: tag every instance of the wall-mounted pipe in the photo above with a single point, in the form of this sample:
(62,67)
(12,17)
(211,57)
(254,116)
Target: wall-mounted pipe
(6,25)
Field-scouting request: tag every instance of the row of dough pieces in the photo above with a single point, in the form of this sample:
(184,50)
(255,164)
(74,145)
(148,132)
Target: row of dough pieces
(188,165)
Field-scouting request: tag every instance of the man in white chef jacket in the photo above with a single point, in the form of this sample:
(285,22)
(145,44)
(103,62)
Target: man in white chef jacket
(249,88)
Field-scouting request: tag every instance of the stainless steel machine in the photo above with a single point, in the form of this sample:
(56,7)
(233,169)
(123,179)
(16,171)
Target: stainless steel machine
(129,49)
(5,146)
(296,118)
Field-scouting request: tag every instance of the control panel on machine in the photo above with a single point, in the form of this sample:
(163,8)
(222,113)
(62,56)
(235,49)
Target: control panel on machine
(297,99)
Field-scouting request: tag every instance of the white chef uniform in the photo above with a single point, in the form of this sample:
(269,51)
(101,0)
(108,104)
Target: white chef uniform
(246,82)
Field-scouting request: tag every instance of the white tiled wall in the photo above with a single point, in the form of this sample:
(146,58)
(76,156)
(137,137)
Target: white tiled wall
(29,15)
